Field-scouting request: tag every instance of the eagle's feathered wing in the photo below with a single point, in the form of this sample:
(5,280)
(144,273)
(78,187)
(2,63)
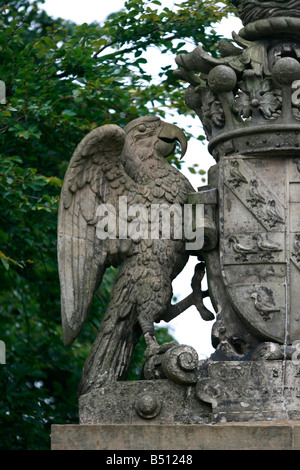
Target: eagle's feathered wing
(95,175)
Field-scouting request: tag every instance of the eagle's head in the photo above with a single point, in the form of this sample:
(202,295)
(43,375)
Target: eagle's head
(147,140)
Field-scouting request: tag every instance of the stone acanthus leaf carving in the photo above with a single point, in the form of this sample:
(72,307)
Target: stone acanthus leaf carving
(250,85)
(255,95)
(213,111)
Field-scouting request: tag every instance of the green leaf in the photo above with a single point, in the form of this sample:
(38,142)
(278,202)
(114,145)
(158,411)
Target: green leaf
(5,113)
(5,263)
(68,113)
(141,61)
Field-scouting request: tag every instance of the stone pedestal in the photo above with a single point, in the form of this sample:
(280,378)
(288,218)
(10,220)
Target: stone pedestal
(276,435)
(144,402)
(231,391)
(234,405)
(251,390)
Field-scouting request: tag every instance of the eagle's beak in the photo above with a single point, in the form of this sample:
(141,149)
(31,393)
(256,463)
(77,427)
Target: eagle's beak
(169,135)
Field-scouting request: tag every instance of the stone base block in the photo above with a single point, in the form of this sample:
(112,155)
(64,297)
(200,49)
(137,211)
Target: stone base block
(251,390)
(275,435)
(151,401)
(234,391)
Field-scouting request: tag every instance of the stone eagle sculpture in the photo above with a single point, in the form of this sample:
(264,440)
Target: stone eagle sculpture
(111,162)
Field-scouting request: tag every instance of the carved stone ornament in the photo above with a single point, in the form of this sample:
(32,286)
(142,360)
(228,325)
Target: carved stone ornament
(248,103)
(248,100)
(111,164)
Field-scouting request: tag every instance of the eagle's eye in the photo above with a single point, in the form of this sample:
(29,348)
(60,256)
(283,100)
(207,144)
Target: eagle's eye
(142,128)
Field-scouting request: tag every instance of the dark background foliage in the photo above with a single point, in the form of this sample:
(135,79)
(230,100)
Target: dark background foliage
(63,80)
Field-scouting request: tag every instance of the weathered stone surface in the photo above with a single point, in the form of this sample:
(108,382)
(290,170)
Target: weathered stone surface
(143,402)
(282,435)
(248,101)
(251,391)
(257,230)
(124,172)
(251,10)
(229,391)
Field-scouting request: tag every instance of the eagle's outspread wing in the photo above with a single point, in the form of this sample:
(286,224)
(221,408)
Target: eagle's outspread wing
(95,175)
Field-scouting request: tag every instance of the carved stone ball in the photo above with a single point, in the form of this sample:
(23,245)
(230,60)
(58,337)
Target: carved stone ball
(147,406)
(286,71)
(222,78)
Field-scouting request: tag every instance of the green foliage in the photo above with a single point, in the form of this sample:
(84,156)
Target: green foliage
(63,80)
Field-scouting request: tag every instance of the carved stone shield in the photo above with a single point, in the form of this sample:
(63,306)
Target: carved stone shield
(260,242)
